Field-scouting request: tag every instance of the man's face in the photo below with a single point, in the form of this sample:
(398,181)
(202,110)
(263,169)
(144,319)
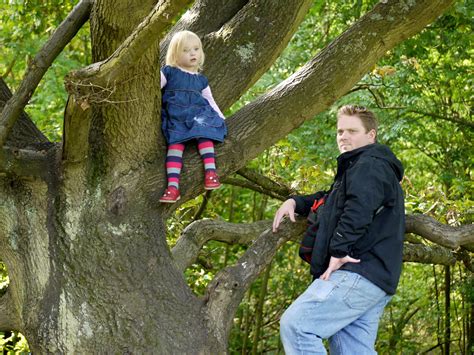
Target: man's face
(351,134)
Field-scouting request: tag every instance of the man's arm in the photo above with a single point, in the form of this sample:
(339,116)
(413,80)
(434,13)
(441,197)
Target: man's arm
(295,204)
(304,202)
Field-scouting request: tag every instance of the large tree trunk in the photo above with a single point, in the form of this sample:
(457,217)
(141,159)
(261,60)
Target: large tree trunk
(81,231)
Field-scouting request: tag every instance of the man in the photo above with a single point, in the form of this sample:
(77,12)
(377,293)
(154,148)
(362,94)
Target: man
(356,257)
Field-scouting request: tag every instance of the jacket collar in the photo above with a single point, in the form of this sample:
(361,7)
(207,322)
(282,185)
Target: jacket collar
(348,158)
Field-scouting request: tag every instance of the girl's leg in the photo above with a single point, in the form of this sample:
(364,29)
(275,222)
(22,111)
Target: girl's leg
(174,163)
(206,150)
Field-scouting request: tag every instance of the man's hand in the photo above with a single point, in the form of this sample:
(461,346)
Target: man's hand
(286,209)
(335,264)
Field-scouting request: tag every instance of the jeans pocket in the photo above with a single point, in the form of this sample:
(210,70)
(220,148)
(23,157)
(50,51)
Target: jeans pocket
(323,289)
(363,294)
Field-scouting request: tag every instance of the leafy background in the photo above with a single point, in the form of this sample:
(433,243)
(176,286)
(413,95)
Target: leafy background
(422,93)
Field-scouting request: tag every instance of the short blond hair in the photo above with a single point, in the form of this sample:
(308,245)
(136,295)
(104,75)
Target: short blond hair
(176,45)
(367,117)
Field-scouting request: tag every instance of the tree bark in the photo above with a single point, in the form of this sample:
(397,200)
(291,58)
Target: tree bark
(84,240)
(449,237)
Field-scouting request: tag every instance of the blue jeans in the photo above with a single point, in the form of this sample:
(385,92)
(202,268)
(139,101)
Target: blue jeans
(346,309)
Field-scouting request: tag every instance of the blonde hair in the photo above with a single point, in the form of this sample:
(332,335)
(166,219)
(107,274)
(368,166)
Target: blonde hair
(368,119)
(176,45)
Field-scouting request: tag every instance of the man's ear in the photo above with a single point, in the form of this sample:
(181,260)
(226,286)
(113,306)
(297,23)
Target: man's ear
(372,135)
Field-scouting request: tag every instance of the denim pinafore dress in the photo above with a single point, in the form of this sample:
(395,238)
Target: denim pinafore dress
(185,113)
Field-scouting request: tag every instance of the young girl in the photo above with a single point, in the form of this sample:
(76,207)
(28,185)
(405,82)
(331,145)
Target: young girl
(189,112)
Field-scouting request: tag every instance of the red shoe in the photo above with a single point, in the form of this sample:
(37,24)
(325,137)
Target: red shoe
(171,195)
(211,180)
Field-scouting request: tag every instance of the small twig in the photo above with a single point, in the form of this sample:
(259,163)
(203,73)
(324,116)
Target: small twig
(96,94)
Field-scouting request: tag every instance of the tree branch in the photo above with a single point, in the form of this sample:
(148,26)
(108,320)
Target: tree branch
(198,233)
(252,186)
(265,182)
(24,133)
(24,162)
(442,234)
(455,120)
(82,83)
(426,254)
(186,250)
(40,64)
(227,289)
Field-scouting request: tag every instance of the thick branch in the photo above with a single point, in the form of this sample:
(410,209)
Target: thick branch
(425,254)
(99,75)
(229,286)
(24,132)
(9,317)
(442,234)
(198,233)
(38,66)
(24,162)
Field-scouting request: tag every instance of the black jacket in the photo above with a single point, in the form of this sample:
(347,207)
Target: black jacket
(363,216)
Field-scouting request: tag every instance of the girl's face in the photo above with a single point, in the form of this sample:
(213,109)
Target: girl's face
(189,55)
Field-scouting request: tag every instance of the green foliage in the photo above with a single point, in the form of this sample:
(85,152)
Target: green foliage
(24,27)
(3,278)
(422,94)
(13,343)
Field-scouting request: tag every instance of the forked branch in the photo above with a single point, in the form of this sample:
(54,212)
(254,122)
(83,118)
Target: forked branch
(40,64)
(198,233)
